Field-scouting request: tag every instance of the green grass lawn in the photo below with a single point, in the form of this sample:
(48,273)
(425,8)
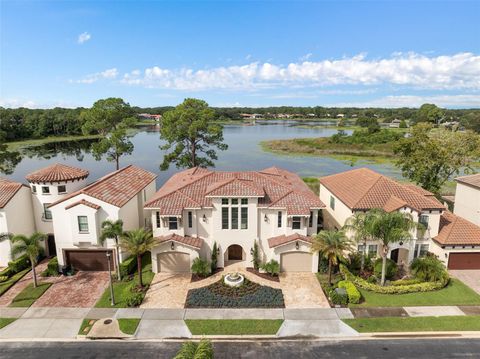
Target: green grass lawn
(4,286)
(122,289)
(6,321)
(29,295)
(16,145)
(416,324)
(128,326)
(233,327)
(86,326)
(455,293)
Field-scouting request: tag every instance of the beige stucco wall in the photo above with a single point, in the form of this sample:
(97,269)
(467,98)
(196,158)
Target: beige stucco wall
(467,203)
(333,218)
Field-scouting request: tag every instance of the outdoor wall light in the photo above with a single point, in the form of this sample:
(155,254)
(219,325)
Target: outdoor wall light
(265,218)
(297,246)
(172,246)
(251,251)
(204,218)
(446,255)
(401,243)
(218,250)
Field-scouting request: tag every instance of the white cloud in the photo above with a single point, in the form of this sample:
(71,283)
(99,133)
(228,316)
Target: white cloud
(109,74)
(459,71)
(464,101)
(84,37)
(15,103)
(306,57)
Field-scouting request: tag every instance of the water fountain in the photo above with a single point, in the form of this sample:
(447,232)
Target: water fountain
(233,279)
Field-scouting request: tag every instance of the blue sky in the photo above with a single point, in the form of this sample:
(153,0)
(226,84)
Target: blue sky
(154,53)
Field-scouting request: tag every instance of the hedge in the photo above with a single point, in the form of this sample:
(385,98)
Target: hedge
(128,266)
(405,282)
(354,295)
(398,289)
(52,268)
(16,266)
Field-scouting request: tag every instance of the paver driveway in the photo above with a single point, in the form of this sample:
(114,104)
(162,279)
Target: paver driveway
(302,290)
(167,290)
(469,277)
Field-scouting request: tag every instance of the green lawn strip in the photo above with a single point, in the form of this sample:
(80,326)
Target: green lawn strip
(415,324)
(233,327)
(4,286)
(6,321)
(29,295)
(16,145)
(455,293)
(122,289)
(86,326)
(128,326)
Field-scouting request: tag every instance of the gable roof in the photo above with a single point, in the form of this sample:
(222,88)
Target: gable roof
(455,230)
(276,188)
(364,189)
(283,239)
(85,203)
(8,190)
(57,173)
(472,180)
(116,188)
(195,242)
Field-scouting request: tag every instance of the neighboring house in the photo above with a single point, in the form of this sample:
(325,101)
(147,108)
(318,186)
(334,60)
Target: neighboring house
(362,189)
(395,123)
(16,215)
(467,198)
(78,217)
(198,207)
(48,185)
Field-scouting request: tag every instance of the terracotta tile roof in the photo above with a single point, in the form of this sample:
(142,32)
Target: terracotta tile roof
(455,230)
(57,173)
(8,190)
(472,180)
(276,188)
(364,189)
(283,239)
(85,203)
(117,188)
(189,241)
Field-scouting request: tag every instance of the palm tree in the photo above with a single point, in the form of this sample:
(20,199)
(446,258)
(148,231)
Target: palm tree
(137,242)
(388,228)
(331,245)
(357,225)
(31,246)
(114,230)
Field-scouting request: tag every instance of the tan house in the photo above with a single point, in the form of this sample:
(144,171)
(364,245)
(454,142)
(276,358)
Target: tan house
(467,198)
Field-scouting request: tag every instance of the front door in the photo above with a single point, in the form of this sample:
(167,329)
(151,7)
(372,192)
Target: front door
(52,249)
(235,253)
(394,255)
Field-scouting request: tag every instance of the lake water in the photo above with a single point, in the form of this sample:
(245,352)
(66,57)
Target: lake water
(244,153)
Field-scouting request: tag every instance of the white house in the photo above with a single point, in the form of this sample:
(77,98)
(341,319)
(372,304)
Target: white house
(198,207)
(77,218)
(454,240)
(16,215)
(467,198)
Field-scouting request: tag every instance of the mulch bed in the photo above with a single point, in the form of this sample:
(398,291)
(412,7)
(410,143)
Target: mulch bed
(197,278)
(263,275)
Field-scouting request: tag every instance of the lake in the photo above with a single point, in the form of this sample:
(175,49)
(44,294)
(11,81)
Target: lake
(244,153)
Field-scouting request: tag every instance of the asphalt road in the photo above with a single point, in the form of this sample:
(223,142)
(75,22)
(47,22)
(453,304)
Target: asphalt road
(409,348)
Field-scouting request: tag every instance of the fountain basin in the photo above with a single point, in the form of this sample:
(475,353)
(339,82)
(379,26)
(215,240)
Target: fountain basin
(234,279)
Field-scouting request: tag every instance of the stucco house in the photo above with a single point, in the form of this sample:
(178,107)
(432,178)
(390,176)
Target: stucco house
(467,198)
(16,215)
(77,218)
(452,238)
(198,207)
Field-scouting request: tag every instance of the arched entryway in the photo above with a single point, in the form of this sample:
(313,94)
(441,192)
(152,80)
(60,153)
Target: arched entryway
(235,253)
(399,256)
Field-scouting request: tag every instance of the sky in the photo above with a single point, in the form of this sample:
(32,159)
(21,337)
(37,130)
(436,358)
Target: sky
(248,53)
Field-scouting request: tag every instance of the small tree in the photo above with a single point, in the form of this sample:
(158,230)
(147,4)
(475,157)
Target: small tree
(214,257)
(255,255)
(332,245)
(31,246)
(137,242)
(114,230)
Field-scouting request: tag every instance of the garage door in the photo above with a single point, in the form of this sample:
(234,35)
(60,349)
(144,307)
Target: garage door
(88,260)
(174,262)
(296,262)
(464,260)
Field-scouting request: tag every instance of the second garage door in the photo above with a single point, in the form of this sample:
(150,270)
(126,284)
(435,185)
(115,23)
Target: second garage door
(88,260)
(296,262)
(174,262)
(464,260)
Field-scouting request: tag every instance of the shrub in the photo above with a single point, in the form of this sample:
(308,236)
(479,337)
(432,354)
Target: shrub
(390,269)
(339,297)
(398,289)
(19,264)
(214,257)
(428,269)
(128,266)
(134,299)
(201,267)
(353,294)
(3,278)
(192,350)
(372,279)
(272,267)
(52,268)
(187,351)
(405,282)
(354,262)
(7,272)
(256,256)
(323,265)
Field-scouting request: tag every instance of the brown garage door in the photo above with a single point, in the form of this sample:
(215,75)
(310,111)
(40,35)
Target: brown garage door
(296,262)
(88,260)
(464,260)
(174,262)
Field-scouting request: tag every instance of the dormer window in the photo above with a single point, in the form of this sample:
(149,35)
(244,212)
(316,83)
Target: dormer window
(296,222)
(172,223)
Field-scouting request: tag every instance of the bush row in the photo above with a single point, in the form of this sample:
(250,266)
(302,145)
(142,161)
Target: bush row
(396,289)
(128,266)
(353,294)
(52,268)
(15,266)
